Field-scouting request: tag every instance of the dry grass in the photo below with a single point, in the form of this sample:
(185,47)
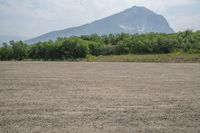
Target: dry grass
(168,58)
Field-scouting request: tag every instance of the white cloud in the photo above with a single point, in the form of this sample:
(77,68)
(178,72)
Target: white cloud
(181,22)
(51,9)
(162,5)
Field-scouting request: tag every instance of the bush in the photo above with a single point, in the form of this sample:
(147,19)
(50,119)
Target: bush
(95,45)
(6,52)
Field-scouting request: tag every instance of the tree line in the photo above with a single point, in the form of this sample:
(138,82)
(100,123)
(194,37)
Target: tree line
(113,44)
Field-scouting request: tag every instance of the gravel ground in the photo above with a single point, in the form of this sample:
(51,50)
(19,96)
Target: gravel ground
(83,97)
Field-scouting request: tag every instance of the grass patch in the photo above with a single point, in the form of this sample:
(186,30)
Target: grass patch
(176,57)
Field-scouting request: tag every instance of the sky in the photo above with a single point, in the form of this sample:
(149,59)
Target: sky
(31,18)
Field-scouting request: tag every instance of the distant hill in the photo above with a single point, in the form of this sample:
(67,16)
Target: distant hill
(133,20)
(9,38)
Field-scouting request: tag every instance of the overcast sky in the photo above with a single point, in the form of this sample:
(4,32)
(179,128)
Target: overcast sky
(30,18)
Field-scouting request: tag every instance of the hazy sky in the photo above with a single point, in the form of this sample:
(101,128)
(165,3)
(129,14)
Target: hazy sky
(30,18)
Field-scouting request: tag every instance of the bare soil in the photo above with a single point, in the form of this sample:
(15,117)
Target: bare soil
(83,97)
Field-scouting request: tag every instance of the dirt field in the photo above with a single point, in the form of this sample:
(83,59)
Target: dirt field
(99,97)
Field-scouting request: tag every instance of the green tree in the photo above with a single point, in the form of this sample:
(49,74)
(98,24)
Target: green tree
(6,52)
(20,50)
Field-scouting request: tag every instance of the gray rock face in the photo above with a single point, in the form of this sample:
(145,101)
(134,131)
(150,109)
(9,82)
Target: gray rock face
(133,20)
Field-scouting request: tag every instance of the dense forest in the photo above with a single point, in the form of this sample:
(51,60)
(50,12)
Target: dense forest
(118,44)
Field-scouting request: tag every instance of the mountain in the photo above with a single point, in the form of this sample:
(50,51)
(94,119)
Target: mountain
(133,20)
(6,39)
